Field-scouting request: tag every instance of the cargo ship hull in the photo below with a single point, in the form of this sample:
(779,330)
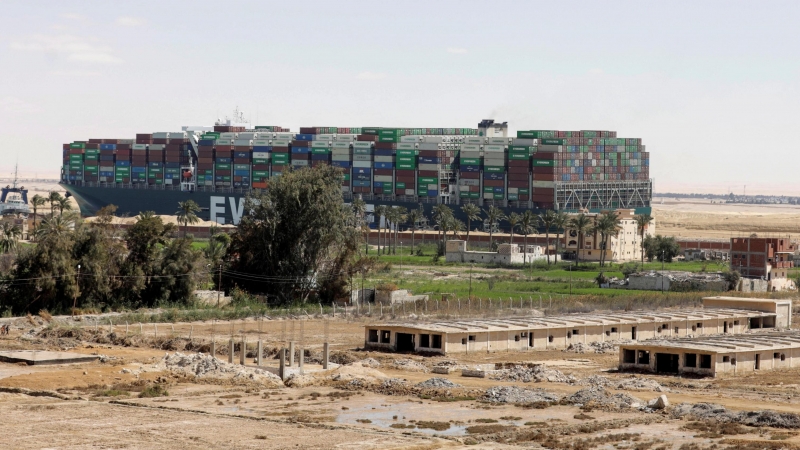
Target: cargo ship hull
(221,207)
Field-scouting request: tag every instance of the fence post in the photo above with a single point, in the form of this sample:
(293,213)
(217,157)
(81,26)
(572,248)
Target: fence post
(320,309)
(459,304)
(381,305)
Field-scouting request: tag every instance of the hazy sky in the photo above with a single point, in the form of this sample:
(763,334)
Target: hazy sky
(712,88)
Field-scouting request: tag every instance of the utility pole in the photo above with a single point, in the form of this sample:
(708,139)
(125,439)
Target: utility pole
(219,284)
(78,286)
(662,271)
(470,280)
(570,279)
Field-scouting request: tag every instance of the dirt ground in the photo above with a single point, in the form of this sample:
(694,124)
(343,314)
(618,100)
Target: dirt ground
(374,404)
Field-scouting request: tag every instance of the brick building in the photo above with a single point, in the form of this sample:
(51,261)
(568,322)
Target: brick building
(766,258)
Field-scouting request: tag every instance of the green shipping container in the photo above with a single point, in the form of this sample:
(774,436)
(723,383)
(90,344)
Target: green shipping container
(406,166)
(499,196)
(518,156)
(370,130)
(400,185)
(260,173)
(77,145)
(513,197)
(524,191)
(488,189)
(260,161)
(464,194)
(241,167)
(388,139)
(544,163)
(222,166)
(428,180)
(410,153)
(406,159)
(88,157)
(320,150)
(471,161)
(76,157)
(474,195)
(494,169)
(553,141)
(519,148)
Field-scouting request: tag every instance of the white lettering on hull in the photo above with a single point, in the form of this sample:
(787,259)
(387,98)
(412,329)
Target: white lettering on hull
(217,209)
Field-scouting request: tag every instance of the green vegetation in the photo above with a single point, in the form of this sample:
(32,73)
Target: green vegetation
(155,390)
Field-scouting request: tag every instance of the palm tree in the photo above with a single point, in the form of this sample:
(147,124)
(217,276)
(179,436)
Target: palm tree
(413,217)
(53,198)
(380,211)
(527,223)
(642,222)
(359,209)
(55,227)
(37,201)
(400,216)
(547,219)
(513,219)
(580,224)
(187,213)
(607,225)
(440,215)
(63,203)
(560,224)
(493,216)
(9,235)
(456,226)
(472,212)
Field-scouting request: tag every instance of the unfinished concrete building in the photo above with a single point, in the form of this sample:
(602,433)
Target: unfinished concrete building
(768,259)
(714,355)
(721,315)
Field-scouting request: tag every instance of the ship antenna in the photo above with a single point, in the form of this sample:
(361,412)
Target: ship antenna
(16,167)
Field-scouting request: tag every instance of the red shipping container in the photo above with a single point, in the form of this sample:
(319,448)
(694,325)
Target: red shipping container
(176,141)
(404,179)
(518,163)
(367,138)
(222,172)
(543,170)
(301,143)
(516,183)
(385,146)
(523,197)
(383,171)
(519,170)
(429,153)
(241,160)
(280,149)
(123,147)
(545,177)
(494,183)
(429,173)
(518,177)
(470,175)
(242,148)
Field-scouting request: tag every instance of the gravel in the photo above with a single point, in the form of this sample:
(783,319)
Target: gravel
(513,394)
(715,412)
(437,382)
(528,373)
(409,365)
(597,347)
(599,396)
(368,362)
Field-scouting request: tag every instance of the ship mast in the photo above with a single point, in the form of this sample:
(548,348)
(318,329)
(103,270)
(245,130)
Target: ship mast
(16,167)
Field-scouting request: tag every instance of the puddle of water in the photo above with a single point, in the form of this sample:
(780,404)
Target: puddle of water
(382,416)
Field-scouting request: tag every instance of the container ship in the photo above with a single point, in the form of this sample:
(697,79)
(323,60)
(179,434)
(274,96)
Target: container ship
(412,167)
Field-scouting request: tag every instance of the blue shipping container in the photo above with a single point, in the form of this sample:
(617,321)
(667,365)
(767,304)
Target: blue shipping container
(138,169)
(240,173)
(499,190)
(106,157)
(241,154)
(106,174)
(360,183)
(428,160)
(108,146)
(207,142)
(473,169)
(362,170)
(383,165)
(172,165)
(303,137)
(298,150)
(493,176)
(433,193)
(383,152)
(320,157)
(342,164)
(262,148)
(155,164)
(122,163)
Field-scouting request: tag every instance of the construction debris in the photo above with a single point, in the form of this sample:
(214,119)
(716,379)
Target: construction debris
(531,372)
(517,395)
(596,347)
(436,383)
(409,365)
(206,366)
(715,412)
(658,403)
(596,395)
(628,384)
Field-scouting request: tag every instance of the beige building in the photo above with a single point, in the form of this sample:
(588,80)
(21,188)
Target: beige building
(557,332)
(626,246)
(714,355)
(506,254)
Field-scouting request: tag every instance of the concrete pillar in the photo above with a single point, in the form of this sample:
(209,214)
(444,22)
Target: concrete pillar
(213,349)
(230,351)
(301,361)
(326,354)
(243,353)
(291,354)
(260,352)
(282,364)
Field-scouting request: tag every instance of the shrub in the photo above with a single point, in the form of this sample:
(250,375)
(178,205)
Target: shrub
(155,390)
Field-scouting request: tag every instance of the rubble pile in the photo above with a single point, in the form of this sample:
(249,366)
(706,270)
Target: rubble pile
(437,382)
(628,384)
(516,395)
(409,365)
(206,366)
(596,347)
(715,412)
(527,373)
(596,395)
(368,362)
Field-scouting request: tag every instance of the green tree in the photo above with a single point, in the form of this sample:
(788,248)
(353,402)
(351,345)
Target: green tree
(295,237)
(527,225)
(399,215)
(217,247)
(642,222)
(9,235)
(180,269)
(63,205)
(493,215)
(380,211)
(580,223)
(53,198)
(548,221)
(560,224)
(473,213)
(441,215)
(144,241)
(413,218)
(37,202)
(607,225)
(187,214)
(55,226)
(513,220)
(661,248)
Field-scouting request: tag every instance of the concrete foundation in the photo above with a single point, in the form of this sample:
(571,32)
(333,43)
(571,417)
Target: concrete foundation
(326,355)
(260,351)
(231,349)
(291,354)
(36,358)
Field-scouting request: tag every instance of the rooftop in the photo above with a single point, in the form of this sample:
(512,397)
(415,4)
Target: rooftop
(750,300)
(726,343)
(575,320)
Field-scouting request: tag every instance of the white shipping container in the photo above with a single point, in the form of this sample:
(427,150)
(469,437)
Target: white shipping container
(284,136)
(362,164)
(243,143)
(161,135)
(543,184)
(493,148)
(299,162)
(432,139)
(474,140)
(433,187)
(335,157)
(261,143)
(498,141)
(470,148)
(367,158)
(428,167)
(383,178)
(362,144)
(126,141)
(168,181)
(411,192)
(469,182)
(157,146)
(249,136)
(279,143)
(410,139)
(470,155)
(320,144)
(525,142)
(513,190)
(406,146)
(345,189)
(322,137)
(139,146)
(227,135)
(428,146)
(224,142)
(488,196)
(261,155)
(550,148)
(345,137)
(385,159)
(463,188)
(344,145)
(340,151)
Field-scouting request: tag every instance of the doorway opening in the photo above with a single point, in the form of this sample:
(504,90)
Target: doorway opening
(405,342)
(666,363)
